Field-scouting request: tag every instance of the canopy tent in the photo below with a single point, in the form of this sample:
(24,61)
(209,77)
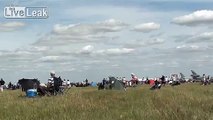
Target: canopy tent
(116,84)
(93,84)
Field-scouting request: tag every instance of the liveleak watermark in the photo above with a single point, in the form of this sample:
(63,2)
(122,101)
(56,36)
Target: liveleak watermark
(26,12)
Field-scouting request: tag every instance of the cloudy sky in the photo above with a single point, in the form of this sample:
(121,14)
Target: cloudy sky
(94,39)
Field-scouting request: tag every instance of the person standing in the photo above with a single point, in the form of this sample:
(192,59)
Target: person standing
(87,82)
(50,80)
(64,83)
(208,79)
(2,82)
(68,83)
(163,81)
(57,82)
(134,79)
(204,79)
(104,81)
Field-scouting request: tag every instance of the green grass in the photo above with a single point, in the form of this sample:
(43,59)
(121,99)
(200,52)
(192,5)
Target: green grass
(185,102)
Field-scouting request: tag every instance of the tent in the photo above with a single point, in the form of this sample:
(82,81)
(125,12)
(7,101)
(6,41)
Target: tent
(93,84)
(116,84)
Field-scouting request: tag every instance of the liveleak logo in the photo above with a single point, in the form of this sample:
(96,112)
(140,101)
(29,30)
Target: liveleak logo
(26,12)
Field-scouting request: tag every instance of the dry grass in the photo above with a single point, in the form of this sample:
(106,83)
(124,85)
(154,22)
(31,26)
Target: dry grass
(185,102)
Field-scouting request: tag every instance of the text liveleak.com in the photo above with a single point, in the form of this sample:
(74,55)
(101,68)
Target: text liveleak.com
(26,12)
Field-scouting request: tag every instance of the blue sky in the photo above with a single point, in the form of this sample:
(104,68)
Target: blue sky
(94,39)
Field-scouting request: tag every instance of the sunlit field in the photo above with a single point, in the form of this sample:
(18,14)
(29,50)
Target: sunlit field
(184,102)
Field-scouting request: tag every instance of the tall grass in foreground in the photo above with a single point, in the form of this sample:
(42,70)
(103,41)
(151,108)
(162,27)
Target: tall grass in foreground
(185,102)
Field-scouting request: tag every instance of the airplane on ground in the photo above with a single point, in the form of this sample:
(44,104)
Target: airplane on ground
(196,77)
(184,79)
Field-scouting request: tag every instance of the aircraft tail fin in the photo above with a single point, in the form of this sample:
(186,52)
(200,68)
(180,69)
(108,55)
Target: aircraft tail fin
(193,72)
(182,75)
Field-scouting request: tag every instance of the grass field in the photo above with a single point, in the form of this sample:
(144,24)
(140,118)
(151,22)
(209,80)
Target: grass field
(185,102)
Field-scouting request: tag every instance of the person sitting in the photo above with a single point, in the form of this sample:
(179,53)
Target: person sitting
(42,90)
(157,85)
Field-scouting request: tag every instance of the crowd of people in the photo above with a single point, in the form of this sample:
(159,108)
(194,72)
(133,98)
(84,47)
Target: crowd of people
(155,83)
(9,86)
(206,80)
(55,82)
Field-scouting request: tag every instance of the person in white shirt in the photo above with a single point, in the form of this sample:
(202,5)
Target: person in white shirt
(68,83)
(204,79)
(51,79)
(2,82)
(166,79)
(64,83)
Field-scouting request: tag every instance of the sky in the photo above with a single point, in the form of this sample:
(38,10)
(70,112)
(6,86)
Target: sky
(99,38)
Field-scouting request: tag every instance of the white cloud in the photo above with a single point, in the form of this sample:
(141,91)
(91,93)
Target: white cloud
(190,48)
(112,22)
(115,65)
(110,25)
(11,26)
(60,40)
(206,37)
(195,47)
(40,48)
(34,49)
(203,37)
(195,18)
(155,41)
(49,59)
(151,42)
(115,51)
(87,49)
(68,70)
(158,64)
(146,27)
(81,33)
(15,53)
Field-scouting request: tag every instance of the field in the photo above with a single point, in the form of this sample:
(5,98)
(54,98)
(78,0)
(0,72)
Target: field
(185,102)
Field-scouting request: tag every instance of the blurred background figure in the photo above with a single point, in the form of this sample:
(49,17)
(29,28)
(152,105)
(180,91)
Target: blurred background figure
(2,82)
